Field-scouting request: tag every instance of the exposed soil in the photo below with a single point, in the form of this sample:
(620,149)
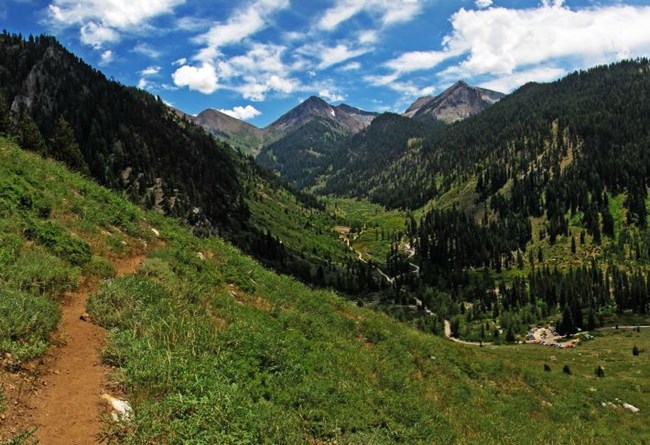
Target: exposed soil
(60,393)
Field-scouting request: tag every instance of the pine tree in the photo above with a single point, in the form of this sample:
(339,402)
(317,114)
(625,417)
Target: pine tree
(5,117)
(64,147)
(29,136)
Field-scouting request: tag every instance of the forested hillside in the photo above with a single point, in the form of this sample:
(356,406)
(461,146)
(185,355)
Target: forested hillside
(540,212)
(595,120)
(129,140)
(304,142)
(359,167)
(123,137)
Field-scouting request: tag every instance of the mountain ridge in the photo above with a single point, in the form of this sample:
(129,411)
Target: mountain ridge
(251,138)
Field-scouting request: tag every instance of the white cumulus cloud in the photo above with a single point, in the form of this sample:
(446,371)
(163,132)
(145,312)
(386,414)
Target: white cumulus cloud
(146,50)
(417,60)
(506,47)
(500,40)
(96,35)
(106,57)
(102,21)
(242,113)
(338,54)
(352,66)
(201,78)
(241,24)
(508,82)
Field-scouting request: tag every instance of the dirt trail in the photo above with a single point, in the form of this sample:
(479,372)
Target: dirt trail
(69,407)
(458,340)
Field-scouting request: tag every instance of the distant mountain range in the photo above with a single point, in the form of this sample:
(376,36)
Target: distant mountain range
(251,139)
(308,140)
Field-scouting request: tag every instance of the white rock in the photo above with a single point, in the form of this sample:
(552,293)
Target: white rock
(121,408)
(632,408)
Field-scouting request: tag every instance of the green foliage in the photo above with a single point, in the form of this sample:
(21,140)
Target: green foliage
(66,246)
(5,119)
(25,323)
(37,272)
(99,267)
(29,135)
(305,154)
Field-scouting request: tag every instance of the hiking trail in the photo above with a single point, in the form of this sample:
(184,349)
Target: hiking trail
(69,407)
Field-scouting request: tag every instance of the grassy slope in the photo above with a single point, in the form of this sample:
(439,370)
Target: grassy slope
(370,219)
(220,350)
(308,231)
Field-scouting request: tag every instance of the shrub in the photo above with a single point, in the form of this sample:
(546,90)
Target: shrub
(100,267)
(10,246)
(62,244)
(25,323)
(117,301)
(40,273)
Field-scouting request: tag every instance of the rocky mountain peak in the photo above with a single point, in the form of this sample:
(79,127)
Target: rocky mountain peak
(456,103)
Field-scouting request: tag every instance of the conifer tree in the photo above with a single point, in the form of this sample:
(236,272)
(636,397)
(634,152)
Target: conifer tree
(29,136)
(64,147)
(5,117)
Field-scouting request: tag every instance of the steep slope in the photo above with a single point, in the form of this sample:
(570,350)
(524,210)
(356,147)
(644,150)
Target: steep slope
(456,103)
(303,142)
(368,153)
(123,137)
(208,346)
(132,142)
(237,133)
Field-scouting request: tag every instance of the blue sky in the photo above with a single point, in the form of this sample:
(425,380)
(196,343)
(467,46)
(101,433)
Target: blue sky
(255,59)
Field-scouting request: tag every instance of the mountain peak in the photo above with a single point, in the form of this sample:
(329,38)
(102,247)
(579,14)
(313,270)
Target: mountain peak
(315,100)
(456,103)
(314,108)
